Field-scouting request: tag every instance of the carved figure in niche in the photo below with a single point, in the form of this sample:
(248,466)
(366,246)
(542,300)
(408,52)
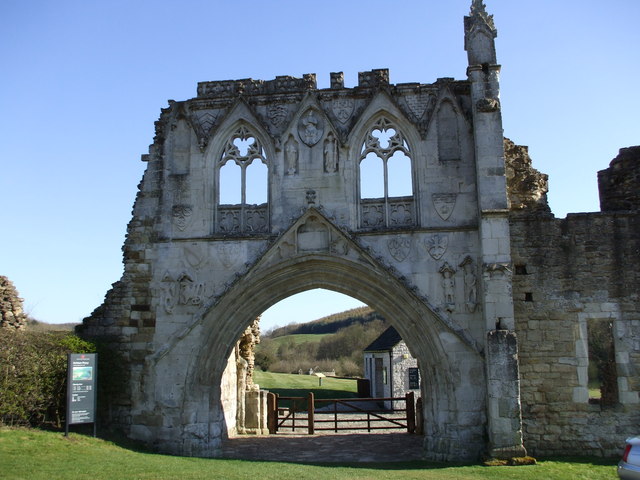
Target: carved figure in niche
(246,348)
(448,286)
(470,284)
(310,128)
(437,245)
(291,156)
(330,154)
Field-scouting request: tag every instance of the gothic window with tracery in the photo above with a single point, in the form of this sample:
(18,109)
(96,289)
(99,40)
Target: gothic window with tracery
(386,185)
(242,185)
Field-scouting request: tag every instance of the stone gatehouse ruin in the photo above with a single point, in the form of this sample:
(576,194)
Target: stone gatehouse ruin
(408,198)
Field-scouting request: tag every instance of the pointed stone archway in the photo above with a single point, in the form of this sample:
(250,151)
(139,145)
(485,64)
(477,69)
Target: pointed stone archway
(435,261)
(452,364)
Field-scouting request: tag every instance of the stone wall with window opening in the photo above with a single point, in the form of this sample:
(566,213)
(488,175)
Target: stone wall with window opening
(577,312)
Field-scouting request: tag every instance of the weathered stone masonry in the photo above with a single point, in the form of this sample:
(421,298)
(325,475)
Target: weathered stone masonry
(567,272)
(434,257)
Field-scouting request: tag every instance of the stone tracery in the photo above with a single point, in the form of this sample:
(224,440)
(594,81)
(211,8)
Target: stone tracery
(242,149)
(383,143)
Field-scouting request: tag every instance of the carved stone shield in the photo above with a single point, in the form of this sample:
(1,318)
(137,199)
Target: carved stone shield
(277,114)
(436,245)
(181,215)
(399,247)
(343,109)
(228,254)
(444,204)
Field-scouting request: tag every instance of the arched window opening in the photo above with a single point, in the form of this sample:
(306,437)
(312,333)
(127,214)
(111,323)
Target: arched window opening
(257,179)
(399,175)
(242,185)
(372,177)
(230,184)
(386,180)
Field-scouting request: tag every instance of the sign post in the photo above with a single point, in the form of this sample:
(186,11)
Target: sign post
(82,376)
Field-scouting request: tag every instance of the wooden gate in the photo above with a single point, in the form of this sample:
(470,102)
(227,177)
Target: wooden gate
(340,414)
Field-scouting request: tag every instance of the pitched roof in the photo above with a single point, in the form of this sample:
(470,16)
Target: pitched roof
(386,341)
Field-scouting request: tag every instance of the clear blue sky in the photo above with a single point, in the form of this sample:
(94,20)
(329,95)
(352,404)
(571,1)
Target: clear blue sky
(83,81)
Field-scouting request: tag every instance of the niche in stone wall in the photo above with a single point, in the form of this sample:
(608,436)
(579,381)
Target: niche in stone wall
(448,134)
(313,236)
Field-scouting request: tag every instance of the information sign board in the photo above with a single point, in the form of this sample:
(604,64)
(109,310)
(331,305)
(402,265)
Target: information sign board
(81,388)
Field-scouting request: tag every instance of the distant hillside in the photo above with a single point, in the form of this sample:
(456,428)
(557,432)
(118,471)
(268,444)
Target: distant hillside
(329,324)
(37,326)
(331,343)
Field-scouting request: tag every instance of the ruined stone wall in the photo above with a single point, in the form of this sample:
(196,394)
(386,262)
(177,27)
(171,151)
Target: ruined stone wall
(619,184)
(11,314)
(568,272)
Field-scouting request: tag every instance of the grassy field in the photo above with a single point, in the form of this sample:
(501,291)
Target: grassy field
(300,338)
(39,455)
(292,385)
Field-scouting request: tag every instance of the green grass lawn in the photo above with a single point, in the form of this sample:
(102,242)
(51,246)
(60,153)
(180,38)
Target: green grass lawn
(300,338)
(39,455)
(292,385)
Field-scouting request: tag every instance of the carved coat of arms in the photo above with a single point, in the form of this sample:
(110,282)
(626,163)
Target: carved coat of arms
(277,114)
(437,245)
(399,247)
(343,109)
(444,204)
(228,254)
(181,215)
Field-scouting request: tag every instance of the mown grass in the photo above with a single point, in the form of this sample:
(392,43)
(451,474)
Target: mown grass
(299,338)
(292,385)
(40,455)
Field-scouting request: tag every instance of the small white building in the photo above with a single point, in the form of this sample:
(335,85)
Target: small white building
(390,368)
